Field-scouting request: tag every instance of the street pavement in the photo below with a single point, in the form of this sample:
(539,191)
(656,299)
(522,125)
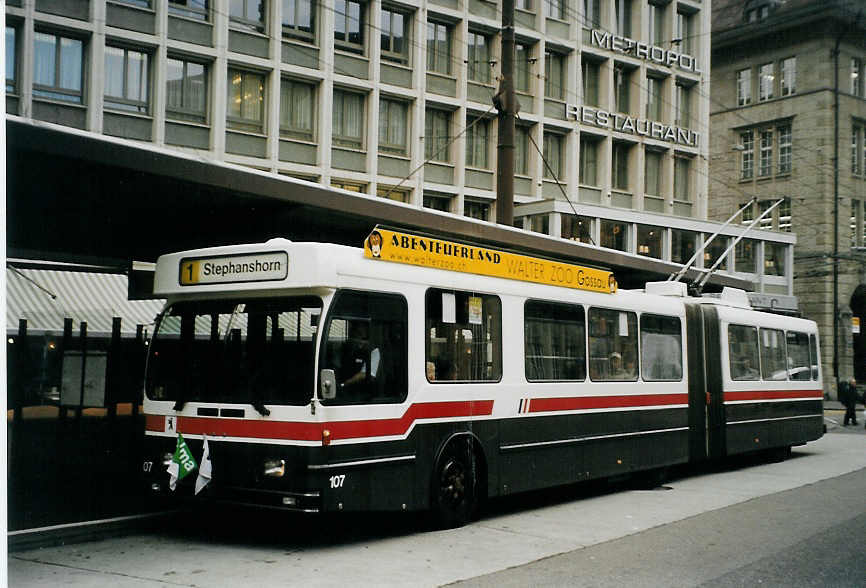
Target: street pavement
(577,536)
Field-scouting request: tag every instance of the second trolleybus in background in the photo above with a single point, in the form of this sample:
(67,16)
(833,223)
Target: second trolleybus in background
(422,373)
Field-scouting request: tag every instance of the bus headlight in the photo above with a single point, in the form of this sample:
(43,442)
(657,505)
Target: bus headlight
(274,468)
(166,459)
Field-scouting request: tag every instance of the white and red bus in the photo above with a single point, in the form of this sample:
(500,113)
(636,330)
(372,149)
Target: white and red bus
(419,373)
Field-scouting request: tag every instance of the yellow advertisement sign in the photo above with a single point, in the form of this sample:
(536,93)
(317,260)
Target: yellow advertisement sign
(459,257)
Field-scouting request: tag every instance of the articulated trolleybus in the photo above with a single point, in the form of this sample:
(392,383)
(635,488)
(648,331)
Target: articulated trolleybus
(422,373)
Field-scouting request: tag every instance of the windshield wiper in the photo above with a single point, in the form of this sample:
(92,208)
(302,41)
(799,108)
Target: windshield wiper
(260,408)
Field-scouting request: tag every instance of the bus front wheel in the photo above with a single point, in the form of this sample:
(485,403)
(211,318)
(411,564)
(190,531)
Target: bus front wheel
(455,486)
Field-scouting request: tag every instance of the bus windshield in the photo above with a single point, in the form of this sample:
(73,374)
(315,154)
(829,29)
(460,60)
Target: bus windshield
(255,351)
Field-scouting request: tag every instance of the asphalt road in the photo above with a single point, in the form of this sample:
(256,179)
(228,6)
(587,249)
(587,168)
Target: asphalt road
(801,522)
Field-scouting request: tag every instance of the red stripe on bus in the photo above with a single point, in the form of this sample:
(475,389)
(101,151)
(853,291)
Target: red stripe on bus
(299,431)
(587,402)
(773,395)
(154,422)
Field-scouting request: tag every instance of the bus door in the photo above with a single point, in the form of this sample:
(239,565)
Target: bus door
(706,410)
(716,442)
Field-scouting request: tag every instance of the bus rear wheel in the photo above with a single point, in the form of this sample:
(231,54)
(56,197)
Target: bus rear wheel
(455,487)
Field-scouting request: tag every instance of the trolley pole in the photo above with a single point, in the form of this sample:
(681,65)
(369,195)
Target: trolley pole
(506,102)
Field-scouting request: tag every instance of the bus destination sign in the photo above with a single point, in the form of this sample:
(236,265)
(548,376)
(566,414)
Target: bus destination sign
(232,269)
(461,257)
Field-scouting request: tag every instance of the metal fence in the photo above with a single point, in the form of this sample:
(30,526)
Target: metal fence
(74,426)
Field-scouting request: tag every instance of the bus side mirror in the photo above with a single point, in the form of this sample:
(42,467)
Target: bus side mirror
(329,384)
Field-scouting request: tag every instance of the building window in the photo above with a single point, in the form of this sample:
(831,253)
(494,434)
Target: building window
(349,186)
(653,98)
(186,90)
(297,109)
(554,155)
(478,68)
(478,209)
(683,106)
(682,178)
(590,82)
(657,25)
(754,14)
(248,14)
(395,194)
(58,67)
(127,76)
(622,87)
(649,241)
(619,166)
(652,173)
(437,135)
(523,67)
(766,222)
(437,202)
(682,245)
(857,139)
(477,144)
(765,82)
(554,75)
(614,235)
(588,161)
(748,213)
(784,149)
(348,119)
(554,9)
(11,62)
(393,126)
(539,223)
(592,13)
(196,9)
(349,25)
(744,256)
(785,215)
(789,76)
(744,87)
(715,251)
(766,161)
(576,228)
(521,150)
(246,100)
(774,258)
(395,35)
(523,5)
(623,17)
(299,19)
(439,47)
(684,32)
(856,76)
(747,155)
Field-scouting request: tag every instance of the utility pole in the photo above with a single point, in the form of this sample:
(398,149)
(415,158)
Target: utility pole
(506,102)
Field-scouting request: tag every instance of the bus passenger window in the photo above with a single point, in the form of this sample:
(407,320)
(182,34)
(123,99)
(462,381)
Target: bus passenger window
(464,336)
(365,345)
(773,360)
(813,355)
(798,356)
(743,352)
(554,342)
(661,348)
(612,345)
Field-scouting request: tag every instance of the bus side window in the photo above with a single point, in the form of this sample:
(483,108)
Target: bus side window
(464,336)
(798,356)
(554,341)
(661,348)
(774,363)
(813,355)
(366,346)
(743,352)
(612,345)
